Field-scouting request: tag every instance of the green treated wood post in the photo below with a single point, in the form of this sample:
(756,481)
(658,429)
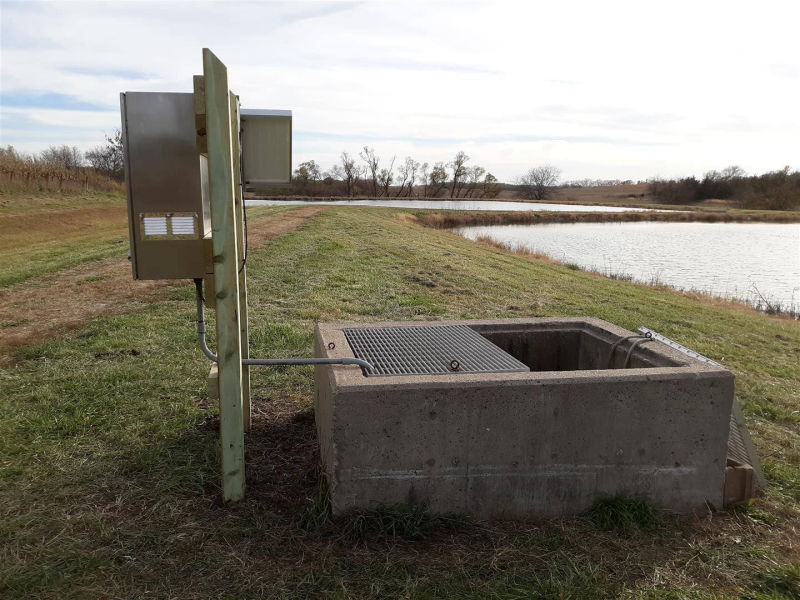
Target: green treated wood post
(226,276)
(240,242)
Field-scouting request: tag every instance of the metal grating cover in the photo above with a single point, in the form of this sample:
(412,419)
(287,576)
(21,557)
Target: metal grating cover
(429,350)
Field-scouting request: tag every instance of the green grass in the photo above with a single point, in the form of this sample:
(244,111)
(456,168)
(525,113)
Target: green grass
(109,482)
(622,515)
(411,521)
(43,234)
(37,203)
(781,583)
(49,257)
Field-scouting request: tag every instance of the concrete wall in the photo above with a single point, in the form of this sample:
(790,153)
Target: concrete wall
(543,443)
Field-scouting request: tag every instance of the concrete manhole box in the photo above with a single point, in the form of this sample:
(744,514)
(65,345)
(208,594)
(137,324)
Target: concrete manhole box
(592,416)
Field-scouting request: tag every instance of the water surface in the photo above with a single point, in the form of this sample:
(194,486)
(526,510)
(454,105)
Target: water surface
(746,261)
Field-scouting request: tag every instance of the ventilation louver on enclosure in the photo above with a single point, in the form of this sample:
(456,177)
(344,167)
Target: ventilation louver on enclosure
(429,350)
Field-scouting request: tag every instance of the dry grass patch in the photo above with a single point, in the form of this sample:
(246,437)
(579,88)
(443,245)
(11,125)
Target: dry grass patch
(44,307)
(20,230)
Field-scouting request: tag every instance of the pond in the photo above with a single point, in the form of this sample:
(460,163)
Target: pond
(499,205)
(755,262)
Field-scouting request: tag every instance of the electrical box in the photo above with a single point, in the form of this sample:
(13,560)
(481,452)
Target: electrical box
(166,177)
(167,187)
(266,147)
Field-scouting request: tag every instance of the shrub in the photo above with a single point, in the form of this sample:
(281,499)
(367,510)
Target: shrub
(776,190)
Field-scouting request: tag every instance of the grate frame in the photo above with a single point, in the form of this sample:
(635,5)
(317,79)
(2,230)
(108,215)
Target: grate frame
(429,350)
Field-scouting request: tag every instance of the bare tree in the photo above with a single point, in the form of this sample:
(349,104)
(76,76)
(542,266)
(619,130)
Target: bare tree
(308,171)
(538,182)
(350,173)
(307,175)
(65,156)
(437,180)
(385,178)
(332,180)
(424,179)
(473,179)
(408,172)
(372,168)
(733,172)
(490,186)
(335,173)
(108,159)
(459,172)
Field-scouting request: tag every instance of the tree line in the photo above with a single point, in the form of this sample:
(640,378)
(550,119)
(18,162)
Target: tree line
(106,159)
(775,190)
(60,168)
(368,174)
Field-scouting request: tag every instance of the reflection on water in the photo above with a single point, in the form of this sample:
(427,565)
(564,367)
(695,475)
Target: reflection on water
(455,205)
(735,260)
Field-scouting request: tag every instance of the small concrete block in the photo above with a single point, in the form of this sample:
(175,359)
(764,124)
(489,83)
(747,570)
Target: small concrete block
(213,383)
(739,483)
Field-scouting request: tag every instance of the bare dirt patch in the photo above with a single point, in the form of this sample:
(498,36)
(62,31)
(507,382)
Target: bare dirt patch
(39,309)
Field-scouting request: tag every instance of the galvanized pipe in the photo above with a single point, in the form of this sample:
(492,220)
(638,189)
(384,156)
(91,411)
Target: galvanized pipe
(613,348)
(268,362)
(263,362)
(641,340)
(201,323)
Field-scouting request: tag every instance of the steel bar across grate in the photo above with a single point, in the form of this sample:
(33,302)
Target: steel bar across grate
(429,350)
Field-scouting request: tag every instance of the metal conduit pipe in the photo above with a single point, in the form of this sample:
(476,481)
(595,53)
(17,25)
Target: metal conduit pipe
(633,347)
(201,322)
(305,361)
(610,358)
(266,362)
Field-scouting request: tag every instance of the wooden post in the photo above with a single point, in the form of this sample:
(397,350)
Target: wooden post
(240,242)
(226,273)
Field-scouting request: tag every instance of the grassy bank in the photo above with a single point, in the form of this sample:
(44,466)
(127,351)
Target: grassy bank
(109,484)
(40,234)
(449,219)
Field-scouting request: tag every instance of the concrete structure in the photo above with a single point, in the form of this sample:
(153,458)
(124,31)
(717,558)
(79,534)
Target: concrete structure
(542,443)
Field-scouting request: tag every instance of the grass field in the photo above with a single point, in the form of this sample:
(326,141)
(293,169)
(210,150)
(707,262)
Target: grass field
(109,482)
(42,234)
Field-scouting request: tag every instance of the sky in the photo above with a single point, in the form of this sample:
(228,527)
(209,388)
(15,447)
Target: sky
(610,90)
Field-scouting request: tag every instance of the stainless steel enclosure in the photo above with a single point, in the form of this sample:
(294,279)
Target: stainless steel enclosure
(266,147)
(166,180)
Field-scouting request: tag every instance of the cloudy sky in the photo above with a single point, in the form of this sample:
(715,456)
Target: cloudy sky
(600,89)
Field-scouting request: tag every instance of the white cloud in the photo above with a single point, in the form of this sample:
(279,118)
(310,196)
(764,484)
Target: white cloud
(612,89)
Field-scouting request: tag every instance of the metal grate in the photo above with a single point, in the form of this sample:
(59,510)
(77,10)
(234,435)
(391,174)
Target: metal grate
(736,448)
(429,350)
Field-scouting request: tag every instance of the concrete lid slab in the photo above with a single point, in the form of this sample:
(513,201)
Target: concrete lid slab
(332,343)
